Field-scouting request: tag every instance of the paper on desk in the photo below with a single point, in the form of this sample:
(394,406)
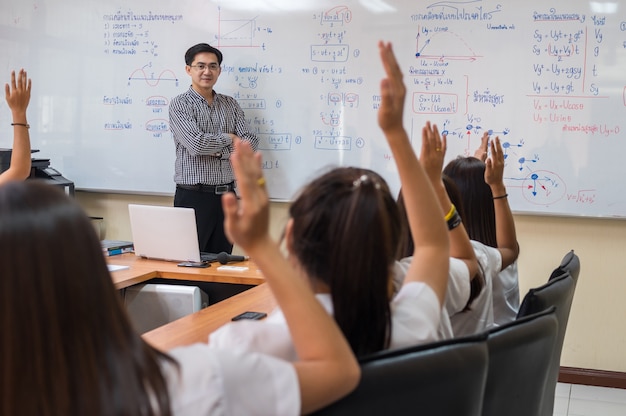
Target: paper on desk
(116,267)
(233,268)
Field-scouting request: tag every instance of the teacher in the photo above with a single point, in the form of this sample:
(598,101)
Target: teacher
(204,125)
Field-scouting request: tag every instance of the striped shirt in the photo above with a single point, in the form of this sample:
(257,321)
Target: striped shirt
(202,146)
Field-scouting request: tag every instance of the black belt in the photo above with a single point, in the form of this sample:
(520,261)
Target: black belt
(214,189)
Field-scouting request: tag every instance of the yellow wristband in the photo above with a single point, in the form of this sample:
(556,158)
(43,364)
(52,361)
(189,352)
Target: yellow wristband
(450,213)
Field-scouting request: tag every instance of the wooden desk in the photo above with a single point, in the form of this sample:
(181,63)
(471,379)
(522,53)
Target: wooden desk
(197,326)
(141,270)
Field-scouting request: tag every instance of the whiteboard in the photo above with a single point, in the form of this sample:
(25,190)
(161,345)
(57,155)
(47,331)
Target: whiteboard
(548,77)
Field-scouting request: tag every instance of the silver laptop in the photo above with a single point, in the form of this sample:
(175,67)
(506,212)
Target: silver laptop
(166,233)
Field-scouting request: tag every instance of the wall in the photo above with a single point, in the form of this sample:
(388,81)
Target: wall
(596,334)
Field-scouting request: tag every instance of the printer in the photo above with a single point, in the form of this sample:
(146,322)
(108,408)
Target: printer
(40,170)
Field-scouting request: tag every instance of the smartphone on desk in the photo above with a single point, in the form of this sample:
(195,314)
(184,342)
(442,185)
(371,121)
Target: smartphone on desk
(250,315)
(201,264)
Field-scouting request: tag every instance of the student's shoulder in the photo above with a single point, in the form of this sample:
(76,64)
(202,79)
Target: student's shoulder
(489,258)
(411,291)
(268,337)
(458,269)
(208,379)
(243,334)
(485,251)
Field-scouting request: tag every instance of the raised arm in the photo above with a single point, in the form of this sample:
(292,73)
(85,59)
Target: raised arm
(327,369)
(505,225)
(430,235)
(18,96)
(481,152)
(433,151)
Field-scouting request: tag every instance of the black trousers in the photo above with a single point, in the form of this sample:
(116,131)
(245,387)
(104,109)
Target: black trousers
(209,219)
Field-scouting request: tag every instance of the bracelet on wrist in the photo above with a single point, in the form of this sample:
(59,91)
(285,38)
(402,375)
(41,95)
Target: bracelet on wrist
(454,221)
(501,196)
(21,124)
(450,213)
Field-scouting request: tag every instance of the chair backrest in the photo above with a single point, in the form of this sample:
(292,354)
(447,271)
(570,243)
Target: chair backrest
(442,378)
(558,292)
(569,264)
(519,360)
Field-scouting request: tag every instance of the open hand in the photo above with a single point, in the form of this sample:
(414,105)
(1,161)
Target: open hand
(481,152)
(18,92)
(246,221)
(392,91)
(494,165)
(433,151)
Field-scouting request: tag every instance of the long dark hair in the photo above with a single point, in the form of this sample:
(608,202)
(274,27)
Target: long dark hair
(68,347)
(345,233)
(407,246)
(468,173)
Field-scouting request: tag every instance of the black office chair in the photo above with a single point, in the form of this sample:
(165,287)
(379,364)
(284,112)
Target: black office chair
(442,378)
(558,292)
(569,264)
(520,353)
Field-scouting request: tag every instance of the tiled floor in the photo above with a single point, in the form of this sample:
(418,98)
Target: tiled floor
(579,400)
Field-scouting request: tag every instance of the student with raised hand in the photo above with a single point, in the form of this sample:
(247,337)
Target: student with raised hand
(17,94)
(327,369)
(342,237)
(489,223)
(69,347)
(429,234)
(465,283)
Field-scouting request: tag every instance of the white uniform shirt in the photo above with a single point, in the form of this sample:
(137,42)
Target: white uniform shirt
(216,382)
(457,291)
(480,315)
(415,315)
(506,295)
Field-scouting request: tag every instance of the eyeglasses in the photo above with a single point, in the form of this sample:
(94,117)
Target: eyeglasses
(202,67)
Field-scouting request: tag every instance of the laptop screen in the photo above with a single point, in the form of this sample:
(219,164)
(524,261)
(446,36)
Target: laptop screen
(164,233)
